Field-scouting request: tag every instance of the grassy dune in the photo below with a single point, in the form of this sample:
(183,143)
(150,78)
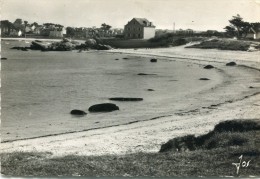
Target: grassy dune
(226,44)
(212,154)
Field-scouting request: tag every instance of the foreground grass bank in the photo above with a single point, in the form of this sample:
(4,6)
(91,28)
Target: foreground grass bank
(227,143)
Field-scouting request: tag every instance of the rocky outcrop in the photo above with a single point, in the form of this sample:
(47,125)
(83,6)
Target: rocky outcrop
(208,67)
(153,60)
(103,47)
(39,46)
(126,99)
(68,45)
(62,46)
(231,64)
(78,112)
(203,79)
(103,107)
(143,74)
(91,42)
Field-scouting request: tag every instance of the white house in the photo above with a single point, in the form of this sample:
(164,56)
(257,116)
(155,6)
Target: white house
(139,28)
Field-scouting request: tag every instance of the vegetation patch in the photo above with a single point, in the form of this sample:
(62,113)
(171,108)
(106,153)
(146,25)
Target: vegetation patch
(225,134)
(223,44)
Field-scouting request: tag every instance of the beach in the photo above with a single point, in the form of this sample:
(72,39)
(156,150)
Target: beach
(192,107)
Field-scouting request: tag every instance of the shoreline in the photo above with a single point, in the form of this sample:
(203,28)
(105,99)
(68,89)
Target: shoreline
(144,136)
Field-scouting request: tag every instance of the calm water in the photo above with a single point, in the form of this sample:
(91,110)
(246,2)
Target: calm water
(39,89)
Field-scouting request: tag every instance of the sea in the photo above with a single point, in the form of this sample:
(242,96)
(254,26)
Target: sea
(39,89)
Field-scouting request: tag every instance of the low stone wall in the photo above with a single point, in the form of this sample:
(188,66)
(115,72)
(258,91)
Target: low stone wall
(131,43)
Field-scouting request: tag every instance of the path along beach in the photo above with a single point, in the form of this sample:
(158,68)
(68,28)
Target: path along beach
(234,94)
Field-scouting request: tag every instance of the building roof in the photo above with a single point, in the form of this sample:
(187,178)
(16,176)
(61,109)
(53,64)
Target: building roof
(144,22)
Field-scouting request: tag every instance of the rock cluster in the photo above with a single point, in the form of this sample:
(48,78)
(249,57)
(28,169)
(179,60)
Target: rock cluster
(68,45)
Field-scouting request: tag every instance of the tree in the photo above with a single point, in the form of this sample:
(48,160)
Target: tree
(25,24)
(70,31)
(105,26)
(238,27)
(18,24)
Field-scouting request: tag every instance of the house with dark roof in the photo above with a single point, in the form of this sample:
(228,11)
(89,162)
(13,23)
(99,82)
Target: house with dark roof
(254,31)
(139,28)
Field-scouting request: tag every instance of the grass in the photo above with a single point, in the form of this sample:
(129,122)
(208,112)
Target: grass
(199,162)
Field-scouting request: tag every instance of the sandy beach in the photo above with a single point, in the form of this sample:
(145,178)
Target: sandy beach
(148,135)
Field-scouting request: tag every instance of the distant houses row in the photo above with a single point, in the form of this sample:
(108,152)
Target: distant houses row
(19,28)
(137,28)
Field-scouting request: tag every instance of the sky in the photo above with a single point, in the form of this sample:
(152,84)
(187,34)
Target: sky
(193,14)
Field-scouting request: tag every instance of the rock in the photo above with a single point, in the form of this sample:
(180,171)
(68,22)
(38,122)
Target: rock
(126,99)
(3,58)
(252,48)
(145,74)
(39,46)
(204,79)
(208,67)
(125,58)
(62,46)
(251,87)
(150,89)
(104,107)
(153,60)
(231,64)
(103,47)
(24,49)
(78,112)
(116,59)
(91,42)
(65,40)
(75,42)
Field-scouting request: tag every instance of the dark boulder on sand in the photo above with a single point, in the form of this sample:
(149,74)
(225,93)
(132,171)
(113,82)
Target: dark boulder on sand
(141,74)
(78,112)
(208,67)
(231,64)
(150,89)
(203,79)
(3,58)
(103,107)
(153,60)
(126,99)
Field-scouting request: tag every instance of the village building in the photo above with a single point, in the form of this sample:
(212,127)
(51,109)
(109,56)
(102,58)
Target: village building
(139,28)
(254,31)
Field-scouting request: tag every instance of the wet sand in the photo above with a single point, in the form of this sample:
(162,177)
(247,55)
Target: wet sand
(230,98)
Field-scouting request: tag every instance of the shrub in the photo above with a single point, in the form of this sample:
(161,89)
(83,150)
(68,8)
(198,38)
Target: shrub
(225,139)
(225,134)
(237,126)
